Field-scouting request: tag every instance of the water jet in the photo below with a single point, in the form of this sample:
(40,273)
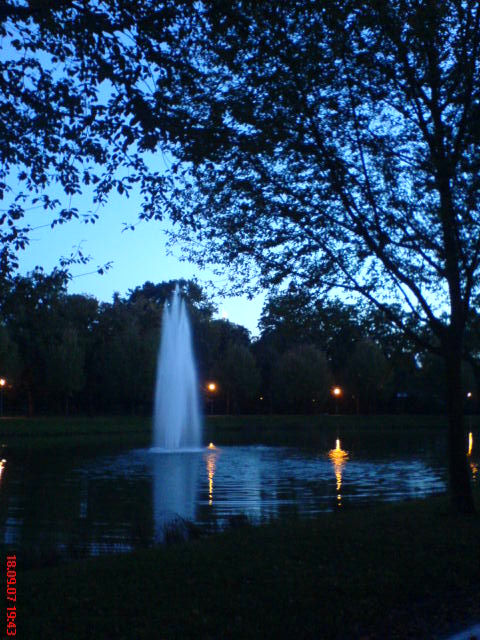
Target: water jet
(177,421)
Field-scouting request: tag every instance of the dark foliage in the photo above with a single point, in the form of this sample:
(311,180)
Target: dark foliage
(63,353)
(326,146)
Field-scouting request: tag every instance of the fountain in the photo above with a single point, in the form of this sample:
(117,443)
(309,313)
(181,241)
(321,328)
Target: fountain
(177,423)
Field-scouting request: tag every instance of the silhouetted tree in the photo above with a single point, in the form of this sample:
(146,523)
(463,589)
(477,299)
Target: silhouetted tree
(238,378)
(299,317)
(333,146)
(302,379)
(31,308)
(337,146)
(70,110)
(367,375)
(9,357)
(64,370)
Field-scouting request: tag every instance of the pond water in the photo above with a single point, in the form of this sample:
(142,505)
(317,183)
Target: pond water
(55,505)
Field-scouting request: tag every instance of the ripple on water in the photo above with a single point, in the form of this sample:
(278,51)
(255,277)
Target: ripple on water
(127,499)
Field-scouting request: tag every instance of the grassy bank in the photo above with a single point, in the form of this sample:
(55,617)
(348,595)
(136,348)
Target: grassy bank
(51,432)
(72,426)
(397,571)
(268,429)
(309,429)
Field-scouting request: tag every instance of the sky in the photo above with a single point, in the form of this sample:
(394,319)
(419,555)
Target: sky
(137,256)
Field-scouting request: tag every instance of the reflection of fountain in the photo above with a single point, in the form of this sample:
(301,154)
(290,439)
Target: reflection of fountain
(175,480)
(177,423)
(339,459)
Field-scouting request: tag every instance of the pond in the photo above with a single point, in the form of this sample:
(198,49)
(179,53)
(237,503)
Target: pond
(57,505)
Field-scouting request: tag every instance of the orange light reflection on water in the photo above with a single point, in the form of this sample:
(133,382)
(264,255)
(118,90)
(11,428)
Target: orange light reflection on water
(473,465)
(339,458)
(211,462)
(474,468)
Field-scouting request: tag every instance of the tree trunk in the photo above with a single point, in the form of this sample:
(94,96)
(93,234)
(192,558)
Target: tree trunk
(461,497)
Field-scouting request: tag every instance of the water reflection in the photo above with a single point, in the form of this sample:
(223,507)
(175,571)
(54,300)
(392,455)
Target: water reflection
(474,468)
(175,486)
(211,463)
(339,459)
(473,465)
(102,501)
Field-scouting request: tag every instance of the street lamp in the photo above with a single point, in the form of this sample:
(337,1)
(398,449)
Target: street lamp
(211,389)
(469,409)
(336,393)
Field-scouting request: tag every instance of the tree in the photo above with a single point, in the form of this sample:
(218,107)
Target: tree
(196,299)
(302,380)
(430,382)
(9,358)
(338,146)
(217,344)
(124,341)
(367,374)
(65,366)
(66,127)
(299,317)
(123,353)
(238,377)
(266,356)
(32,311)
(332,146)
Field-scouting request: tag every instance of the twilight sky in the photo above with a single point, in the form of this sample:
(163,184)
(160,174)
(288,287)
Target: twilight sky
(137,256)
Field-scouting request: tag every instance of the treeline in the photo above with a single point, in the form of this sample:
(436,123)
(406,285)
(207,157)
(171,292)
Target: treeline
(63,353)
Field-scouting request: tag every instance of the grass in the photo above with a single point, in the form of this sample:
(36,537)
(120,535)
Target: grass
(52,432)
(287,422)
(307,430)
(48,432)
(72,426)
(405,570)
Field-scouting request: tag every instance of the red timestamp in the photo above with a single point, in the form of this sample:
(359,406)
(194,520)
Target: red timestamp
(11,595)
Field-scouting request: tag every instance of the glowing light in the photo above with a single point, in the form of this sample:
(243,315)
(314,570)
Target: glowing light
(469,394)
(211,386)
(3,382)
(339,458)
(470,443)
(2,466)
(474,468)
(336,391)
(338,453)
(211,446)
(211,460)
